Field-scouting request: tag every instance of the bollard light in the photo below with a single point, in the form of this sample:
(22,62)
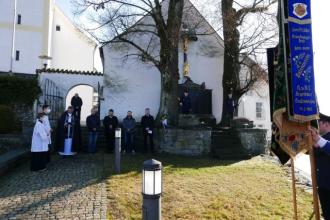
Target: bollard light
(118,133)
(152,178)
(151,190)
(117,149)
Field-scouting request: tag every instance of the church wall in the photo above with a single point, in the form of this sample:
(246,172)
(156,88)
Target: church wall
(37,36)
(67,81)
(135,85)
(5,48)
(71,49)
(33,29)
(247,107)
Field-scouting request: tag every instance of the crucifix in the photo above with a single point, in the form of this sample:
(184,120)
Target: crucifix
(187,35)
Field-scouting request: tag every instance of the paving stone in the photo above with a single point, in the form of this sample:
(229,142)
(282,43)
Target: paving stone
(71,188)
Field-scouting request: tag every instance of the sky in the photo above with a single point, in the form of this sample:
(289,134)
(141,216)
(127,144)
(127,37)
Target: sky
(321,46)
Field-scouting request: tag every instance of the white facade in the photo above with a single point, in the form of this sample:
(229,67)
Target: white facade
(22,44)
(29,31)
(255,106)
(71,49)
(131,84)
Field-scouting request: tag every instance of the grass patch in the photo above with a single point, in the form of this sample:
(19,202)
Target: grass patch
(204,188)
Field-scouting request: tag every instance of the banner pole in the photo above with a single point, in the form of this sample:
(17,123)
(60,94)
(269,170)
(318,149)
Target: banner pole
(294,190)
(314,184)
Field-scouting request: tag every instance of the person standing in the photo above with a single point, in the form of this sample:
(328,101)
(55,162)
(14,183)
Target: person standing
(68,133)
(93,125)
(39,145)
(76,103)
(322,162)
(147,123)
(129,126)
(185,103)
(110,123)
(46,110)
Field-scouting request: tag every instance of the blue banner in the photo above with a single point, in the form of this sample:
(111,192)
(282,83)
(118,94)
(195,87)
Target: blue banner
(300,66)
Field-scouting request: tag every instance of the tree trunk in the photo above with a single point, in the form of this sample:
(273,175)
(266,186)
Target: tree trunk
(230,80)
(169,62)
(169,105)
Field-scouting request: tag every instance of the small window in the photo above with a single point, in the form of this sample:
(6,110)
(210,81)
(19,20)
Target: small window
(17,55)
(19,19)
(259,110)
(58,28)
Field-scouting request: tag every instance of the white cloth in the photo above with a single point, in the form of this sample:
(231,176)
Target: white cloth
(69,118)
(40,138)
(48,128)
(322,142)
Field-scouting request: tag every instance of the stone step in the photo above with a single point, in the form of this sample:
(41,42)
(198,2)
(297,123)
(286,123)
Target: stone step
(13,158)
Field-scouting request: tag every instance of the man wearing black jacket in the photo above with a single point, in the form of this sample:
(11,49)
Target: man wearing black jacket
(322,160)
(76,103)
(147,123)
(110,124)
(93,125)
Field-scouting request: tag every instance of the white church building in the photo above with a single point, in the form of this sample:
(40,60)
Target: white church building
(36,34)
(133,84)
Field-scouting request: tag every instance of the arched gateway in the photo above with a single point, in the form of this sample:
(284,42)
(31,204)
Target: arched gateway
(59,85)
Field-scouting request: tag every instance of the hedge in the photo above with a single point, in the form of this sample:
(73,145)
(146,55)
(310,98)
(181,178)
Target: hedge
(8,123)
(18,90)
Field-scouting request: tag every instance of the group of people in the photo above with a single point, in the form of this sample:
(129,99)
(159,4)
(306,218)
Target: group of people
(68,135)
(111,123)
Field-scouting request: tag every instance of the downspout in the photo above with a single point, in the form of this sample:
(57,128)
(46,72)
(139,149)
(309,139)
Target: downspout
(13,39)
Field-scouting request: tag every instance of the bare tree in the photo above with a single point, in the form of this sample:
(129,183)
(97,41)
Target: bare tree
(120,21)
(242,44)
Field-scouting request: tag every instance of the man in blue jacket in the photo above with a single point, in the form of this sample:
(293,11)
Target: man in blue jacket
(129,127)
(322,159)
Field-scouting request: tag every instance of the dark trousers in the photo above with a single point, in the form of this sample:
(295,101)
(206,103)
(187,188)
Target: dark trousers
(129,142)
(324,195)
(147,136)
(38,160)
(48,155)
(92,140)
(110,136)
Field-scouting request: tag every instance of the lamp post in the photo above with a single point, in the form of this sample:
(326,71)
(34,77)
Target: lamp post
(151,189)
(117,149)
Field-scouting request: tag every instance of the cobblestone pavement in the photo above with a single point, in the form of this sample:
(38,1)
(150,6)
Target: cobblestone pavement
(71,188)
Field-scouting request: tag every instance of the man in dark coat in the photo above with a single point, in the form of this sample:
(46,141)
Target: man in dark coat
(76,103)
(147,123)
(322,159)
(93,125)
(68,127)
(129,127)
(110,124)
(185,103)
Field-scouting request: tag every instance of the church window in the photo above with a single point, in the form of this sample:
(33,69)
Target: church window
(17,55)
(58,28)
(19,19)
(259,110)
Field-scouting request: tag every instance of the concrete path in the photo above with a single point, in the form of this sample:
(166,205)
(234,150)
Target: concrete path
(71,188)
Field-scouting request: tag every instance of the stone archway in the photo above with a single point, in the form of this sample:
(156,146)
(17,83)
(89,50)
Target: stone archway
(87,94)
(66,81)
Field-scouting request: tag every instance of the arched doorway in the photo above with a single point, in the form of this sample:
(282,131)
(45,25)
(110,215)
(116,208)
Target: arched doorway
(89,97)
